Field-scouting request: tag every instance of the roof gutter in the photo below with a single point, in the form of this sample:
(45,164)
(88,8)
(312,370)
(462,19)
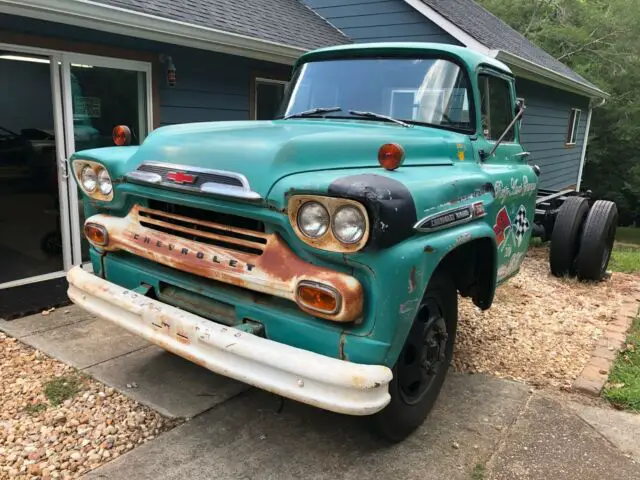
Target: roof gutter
(558,79)
(107,18)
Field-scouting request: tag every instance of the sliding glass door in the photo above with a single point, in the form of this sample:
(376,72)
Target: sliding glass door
(55,104)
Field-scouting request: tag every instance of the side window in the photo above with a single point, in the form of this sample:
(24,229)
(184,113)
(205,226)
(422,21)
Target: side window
(574,123)
(267,96)
(497,110)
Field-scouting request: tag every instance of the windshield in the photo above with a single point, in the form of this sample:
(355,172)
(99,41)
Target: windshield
(431,91)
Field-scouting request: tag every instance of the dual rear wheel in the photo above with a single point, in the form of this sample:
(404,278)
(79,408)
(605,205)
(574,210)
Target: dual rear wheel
(582,239)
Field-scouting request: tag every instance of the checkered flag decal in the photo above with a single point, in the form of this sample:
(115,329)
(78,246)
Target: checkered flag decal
(521,224)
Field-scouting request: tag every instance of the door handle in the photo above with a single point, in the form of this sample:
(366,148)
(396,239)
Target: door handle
(522,154)
(64,168)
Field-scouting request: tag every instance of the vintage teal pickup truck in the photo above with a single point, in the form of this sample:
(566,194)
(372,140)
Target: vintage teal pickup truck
(320,255)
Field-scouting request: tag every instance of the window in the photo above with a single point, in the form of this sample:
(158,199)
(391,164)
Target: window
(428,91)
(574,123)
(267,96)
(497,110)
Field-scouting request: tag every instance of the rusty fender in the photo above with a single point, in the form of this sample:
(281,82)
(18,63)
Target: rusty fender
(324,382)
(273,269)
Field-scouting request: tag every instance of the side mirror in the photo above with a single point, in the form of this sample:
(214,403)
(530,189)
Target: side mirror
(519,108)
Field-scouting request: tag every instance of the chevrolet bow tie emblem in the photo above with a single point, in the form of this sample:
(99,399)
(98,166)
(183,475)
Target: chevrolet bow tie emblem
(181,177)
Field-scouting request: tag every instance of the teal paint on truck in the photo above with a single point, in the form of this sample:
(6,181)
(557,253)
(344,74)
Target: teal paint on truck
(469,202)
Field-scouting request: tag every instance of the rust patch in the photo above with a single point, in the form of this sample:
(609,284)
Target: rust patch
(183,338)
(277,271)
(343,341)
(412,280)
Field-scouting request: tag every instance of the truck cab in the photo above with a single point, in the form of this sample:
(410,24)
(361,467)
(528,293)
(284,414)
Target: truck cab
(320,255)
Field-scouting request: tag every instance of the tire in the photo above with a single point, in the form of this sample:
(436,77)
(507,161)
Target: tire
(597,239)
(565,237)
(411,402)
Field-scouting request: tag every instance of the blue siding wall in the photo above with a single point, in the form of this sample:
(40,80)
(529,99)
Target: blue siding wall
(379,21)
(544,131)
(210,86)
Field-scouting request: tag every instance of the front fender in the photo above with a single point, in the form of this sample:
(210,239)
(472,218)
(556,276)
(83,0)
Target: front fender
(400,276)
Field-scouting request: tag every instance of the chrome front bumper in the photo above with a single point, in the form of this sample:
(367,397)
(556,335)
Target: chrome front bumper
(307,377)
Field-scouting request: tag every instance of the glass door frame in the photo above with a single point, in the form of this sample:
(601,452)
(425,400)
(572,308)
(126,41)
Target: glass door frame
(67,105)
(55,60)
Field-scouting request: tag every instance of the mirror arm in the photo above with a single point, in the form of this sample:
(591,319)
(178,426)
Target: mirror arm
(504,134)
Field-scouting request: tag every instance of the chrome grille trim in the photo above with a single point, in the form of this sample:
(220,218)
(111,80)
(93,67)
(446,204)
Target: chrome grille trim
(210,181)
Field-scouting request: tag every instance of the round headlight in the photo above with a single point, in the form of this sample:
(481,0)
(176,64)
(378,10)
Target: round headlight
(313,219)
(104,182)
(89,179)
(349,224)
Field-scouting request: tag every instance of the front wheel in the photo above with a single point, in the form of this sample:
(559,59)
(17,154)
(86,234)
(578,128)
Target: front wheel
(422,366)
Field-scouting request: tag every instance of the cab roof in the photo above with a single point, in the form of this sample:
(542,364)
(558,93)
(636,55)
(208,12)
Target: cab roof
(468,57)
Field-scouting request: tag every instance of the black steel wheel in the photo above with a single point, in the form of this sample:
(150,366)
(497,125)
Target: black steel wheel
(422,365)
(565,238)
(596,243)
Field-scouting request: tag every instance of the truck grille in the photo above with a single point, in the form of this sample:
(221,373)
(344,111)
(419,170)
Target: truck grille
(202,177)
(231,232)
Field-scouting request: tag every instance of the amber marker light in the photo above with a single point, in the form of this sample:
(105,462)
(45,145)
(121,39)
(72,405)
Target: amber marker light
(318,297)
(121,135)
(390,156)
(96,234)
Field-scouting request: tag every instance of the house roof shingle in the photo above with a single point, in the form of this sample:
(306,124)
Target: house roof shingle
(495,34)
(287,22)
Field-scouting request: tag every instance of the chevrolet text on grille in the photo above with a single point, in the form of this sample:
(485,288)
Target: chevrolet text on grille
(232,262)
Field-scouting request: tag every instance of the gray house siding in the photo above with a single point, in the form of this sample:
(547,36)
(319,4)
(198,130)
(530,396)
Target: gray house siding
(379,21)
(544,131)
(210,86)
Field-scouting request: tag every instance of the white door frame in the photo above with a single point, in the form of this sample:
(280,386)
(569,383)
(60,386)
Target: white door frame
(81,59)
(60,75)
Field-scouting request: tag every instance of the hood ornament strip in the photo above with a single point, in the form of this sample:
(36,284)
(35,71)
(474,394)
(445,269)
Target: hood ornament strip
(213,182)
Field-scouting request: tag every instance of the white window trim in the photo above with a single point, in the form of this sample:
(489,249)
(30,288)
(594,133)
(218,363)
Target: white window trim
(572,134)
(267,81)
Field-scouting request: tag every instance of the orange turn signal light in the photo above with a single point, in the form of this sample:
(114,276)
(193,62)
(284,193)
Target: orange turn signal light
(318,297)
(121,135)
(96,234)
(390,156)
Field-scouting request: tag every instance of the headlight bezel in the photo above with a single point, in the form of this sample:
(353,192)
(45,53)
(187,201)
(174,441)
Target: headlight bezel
(328,241)
(98,169)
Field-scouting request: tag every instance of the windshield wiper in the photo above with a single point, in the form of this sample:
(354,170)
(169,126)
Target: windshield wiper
(312,112)
(379,116)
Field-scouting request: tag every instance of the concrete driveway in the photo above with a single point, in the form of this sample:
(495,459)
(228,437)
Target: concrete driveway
(482,427)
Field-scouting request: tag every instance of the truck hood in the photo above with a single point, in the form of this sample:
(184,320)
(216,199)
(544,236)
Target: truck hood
(267,151)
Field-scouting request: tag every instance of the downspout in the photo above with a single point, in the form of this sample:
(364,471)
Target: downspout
(585,141)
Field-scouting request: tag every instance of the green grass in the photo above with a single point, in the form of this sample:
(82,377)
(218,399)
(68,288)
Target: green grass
(625,258)
(628,235)
(478,472)
(623,387)
(62,388)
